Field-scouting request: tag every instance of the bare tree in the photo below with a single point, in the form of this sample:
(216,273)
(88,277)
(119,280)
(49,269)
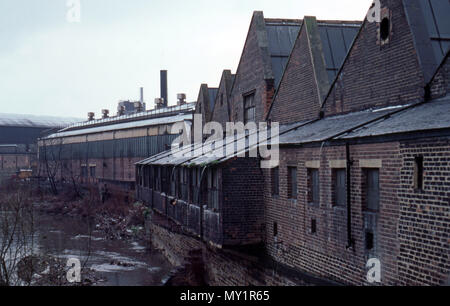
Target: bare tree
(16,235)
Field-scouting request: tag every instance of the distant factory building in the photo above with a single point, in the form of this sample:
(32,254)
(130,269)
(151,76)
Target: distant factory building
(104,151)
(18,141)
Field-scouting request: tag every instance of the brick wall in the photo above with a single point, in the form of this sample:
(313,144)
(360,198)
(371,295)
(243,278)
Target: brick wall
(222,108)
(425,214)
(324,253)
(376,75)
(243,207)
(297,98)
(224,267)
(250,74)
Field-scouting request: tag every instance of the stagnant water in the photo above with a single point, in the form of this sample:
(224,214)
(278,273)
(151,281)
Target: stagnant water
(65,238)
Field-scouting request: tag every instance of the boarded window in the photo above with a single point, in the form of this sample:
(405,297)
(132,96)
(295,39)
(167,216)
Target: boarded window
(275,181)
(292,182)
(249,108)
(372,190)
(340,187)
(313,186)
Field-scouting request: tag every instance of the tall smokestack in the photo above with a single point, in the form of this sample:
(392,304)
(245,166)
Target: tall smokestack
(164,94)
(142,95)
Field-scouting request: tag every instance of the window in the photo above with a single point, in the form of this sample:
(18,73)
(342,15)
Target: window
(339,187)
(372,191)
(92,171)
(313,226)
(275,181)
(249,108)
(418,173)
(385,28)
(369,240)
(221,99)
(83,171)
(213,192)
(194,181)
(275,229)
(313,186)
(292,183)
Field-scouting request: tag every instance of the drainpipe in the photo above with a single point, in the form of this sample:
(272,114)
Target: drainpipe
(201,204)
(350,241)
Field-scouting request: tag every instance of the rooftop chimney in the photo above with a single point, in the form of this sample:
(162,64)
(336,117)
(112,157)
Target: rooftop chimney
(91,116)
(164,87)
(142,95)
(181,99)
(105,113)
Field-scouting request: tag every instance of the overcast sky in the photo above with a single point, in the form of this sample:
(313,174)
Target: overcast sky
(49,66)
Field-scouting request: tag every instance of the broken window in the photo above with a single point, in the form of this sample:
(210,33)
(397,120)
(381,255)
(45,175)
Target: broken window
(313,186)
(339,187)
(292,183)
(249,108)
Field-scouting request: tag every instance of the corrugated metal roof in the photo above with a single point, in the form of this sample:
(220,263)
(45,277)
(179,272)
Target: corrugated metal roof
(196,154)
(155,112)
(281,38)
(123,126)
(336,41)
(19,120)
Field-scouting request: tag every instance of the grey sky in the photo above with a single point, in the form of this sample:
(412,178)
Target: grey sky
(52,67)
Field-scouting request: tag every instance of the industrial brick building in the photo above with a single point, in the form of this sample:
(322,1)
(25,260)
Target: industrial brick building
(364,156)
(18,141)
(104,151)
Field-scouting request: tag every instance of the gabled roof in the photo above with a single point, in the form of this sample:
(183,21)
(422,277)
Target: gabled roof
(430,25)
(212,97)
(281,35)
(337,38)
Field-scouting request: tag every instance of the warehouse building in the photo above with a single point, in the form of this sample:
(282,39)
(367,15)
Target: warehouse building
(364,158)
(18,141)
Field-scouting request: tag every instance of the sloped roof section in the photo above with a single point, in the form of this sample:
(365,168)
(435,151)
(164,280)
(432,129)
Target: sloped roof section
(430,25)
(212,97)
(19,120)
(337,38)
(428,116)
(281,36)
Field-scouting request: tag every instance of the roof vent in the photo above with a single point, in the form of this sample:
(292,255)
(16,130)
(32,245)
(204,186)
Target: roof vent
(159,103)
(181,99)
(91,116)
(120,110)
(105,113)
